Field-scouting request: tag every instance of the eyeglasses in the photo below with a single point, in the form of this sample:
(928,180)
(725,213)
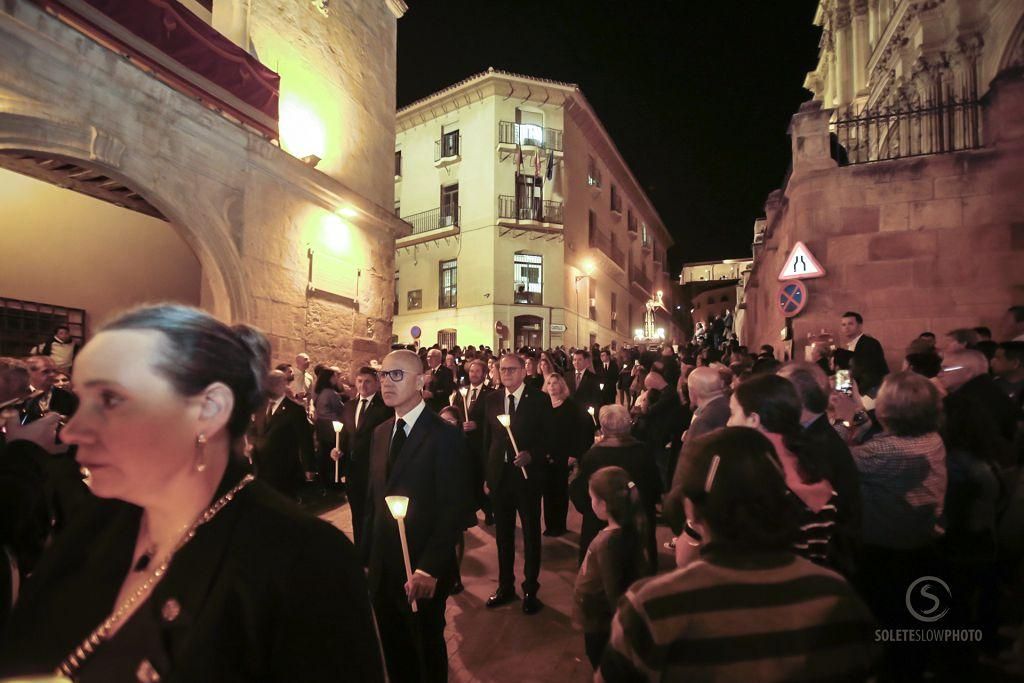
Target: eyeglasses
(396,375)
(511,368)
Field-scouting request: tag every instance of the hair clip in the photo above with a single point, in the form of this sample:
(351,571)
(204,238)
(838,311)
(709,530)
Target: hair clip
(712,470)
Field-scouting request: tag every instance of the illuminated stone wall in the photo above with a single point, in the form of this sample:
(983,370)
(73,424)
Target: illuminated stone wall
(248,210)
(925,243)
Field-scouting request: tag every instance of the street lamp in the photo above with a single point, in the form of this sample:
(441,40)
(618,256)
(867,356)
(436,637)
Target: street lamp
(588,270)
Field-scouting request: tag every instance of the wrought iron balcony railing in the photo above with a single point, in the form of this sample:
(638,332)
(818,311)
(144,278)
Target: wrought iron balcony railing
(511,133)
(526,209)
(908,130)
(435,219)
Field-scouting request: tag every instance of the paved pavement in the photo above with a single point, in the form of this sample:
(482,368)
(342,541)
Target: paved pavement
(504,644)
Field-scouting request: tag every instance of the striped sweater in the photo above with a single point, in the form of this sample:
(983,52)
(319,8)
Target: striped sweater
(734,616)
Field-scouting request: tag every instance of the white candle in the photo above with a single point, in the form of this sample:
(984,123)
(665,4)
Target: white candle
(337,445)
(590,409)
(464,391)
(506,422)
(399,506)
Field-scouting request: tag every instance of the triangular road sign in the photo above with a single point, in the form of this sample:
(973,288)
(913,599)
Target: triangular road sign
(801,265)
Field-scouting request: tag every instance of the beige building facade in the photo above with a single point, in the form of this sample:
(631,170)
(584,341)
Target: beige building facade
(279,217)
(528,228)
(907,176)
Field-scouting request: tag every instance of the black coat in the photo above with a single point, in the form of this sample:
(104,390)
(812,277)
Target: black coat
(532,426)
(235,604)
(821,439)
(588,393)
(474,438)
(355,441)
(609,378)
(282,447)
(868,356)
(431,471)
(63,402)
(441,387)
(631,456)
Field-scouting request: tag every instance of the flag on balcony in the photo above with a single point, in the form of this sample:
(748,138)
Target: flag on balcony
(551,164)
(536,163)
(518,158)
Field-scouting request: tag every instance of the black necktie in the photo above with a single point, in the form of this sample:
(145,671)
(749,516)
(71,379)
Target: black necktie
(362,409)
(511,404)
(397,441)
(472,398)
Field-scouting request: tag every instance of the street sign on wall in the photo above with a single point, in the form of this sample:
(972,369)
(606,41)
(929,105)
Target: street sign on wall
(792,298)
(801,265)
(557,327)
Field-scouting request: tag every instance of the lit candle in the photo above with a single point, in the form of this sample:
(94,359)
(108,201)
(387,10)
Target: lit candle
(601,385)
(464,391)
(399,505)
(506,422)
(590,409)
(337,445)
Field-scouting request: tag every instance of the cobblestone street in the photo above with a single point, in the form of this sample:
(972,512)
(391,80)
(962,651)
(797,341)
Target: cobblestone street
(504,644)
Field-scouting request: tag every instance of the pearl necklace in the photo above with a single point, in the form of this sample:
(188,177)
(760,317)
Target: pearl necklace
(75,659)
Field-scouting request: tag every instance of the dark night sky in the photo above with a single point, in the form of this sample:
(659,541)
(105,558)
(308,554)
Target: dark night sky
(697,95)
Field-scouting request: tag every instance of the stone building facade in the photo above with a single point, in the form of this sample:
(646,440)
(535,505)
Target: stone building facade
(526,219)
(263,225)
(917,214)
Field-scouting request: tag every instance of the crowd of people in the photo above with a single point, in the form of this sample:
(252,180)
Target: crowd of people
(157,532)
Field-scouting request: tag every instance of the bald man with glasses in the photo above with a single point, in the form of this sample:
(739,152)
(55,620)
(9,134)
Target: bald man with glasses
(418,455)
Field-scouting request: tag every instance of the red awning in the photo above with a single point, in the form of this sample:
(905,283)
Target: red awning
(183,50)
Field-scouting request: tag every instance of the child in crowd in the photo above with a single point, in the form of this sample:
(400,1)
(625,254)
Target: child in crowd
(616,558)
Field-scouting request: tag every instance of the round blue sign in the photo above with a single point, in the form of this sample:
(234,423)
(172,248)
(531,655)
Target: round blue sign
(792,298)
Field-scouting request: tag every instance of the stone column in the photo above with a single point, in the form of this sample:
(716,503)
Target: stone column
(809,138)
(844,56)
(964,61)
(861,50)
(874,23)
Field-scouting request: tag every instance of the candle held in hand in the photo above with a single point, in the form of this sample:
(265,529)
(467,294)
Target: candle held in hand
(506,422)
(399,507)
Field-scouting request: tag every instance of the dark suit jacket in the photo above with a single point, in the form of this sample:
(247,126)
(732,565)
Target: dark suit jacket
(609,378)
(982,420)
(63,402)
(868,354)
(821,439)
(714,415)
(532,427)
(241,585)
(431,471)
(355,442)
(588,393)
(282,446)
(475,438)
(441,387)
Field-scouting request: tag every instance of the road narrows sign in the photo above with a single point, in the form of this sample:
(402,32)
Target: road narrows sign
(801,265)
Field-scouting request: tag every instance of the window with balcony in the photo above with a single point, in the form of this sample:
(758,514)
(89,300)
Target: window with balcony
(450,143)
(414,299)
(593,305)
(398,163)
(449,205)
(616,199)
(528,275)
(447,278)
(593,173)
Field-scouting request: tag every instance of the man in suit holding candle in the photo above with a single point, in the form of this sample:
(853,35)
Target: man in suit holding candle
(420,456)
(472,407)
(514,478)
(361,417)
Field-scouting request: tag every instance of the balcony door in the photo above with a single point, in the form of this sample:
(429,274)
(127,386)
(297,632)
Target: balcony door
(449,205)
(529,197)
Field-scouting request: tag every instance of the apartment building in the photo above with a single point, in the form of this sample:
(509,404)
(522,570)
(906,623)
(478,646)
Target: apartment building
(528,227)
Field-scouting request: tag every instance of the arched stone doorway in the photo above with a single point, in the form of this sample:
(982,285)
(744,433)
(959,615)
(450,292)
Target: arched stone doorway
(528,331)
(39,146)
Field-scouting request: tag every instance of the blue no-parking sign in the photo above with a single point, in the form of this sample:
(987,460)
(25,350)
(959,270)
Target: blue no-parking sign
(792,298)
